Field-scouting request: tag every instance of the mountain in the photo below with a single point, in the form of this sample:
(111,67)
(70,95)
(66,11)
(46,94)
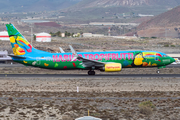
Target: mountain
(164,25)
(114,10)
(129,3)
(35,5)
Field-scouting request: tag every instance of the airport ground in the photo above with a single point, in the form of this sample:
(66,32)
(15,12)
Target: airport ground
(109,98)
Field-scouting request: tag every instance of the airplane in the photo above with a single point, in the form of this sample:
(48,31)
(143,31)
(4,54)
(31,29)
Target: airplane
(108,61)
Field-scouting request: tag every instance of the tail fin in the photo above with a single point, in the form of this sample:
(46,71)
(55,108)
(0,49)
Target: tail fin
(19,43)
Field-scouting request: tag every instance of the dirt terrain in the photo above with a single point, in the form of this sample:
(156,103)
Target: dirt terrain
(103,44)
(109,99)
(106,98)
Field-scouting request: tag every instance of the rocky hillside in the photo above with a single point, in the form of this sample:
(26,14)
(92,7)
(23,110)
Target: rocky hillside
(166,24)
(108,3)
(167,19)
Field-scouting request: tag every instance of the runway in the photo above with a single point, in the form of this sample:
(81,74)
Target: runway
(89,76)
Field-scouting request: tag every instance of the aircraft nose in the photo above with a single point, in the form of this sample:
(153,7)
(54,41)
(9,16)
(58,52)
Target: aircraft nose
(172,60)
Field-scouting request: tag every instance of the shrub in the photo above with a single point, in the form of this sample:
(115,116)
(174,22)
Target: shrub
(146,107)
(166,45)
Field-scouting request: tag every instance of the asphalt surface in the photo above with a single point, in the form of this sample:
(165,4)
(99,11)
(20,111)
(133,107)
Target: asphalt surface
(89,76)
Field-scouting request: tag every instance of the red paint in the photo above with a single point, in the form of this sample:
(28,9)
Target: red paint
(96,57)
(65,67)
(69,57)
(118,57)
(21,50)
(29,50)
(74,64)
(30,46)
(109,56)
(86,55)
(66,57)
(113,56)
(4,36)
(101,56)
(22,41)
(91,56)
(158,54)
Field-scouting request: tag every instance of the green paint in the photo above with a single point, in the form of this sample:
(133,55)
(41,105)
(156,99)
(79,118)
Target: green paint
(56,65)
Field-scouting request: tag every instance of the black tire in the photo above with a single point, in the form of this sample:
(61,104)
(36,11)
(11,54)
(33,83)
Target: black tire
(89,72)
(93,73)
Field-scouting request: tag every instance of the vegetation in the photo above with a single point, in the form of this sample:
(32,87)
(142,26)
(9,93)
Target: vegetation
(146,108)
(166,45)
(55,34)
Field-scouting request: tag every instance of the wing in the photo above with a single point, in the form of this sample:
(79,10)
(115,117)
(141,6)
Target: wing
(86,62)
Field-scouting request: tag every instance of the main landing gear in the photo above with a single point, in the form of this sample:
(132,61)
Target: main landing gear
(91,72)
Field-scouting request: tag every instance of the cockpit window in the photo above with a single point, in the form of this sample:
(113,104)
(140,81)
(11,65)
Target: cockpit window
(165,56)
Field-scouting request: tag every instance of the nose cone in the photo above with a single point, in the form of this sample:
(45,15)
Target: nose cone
(172,60)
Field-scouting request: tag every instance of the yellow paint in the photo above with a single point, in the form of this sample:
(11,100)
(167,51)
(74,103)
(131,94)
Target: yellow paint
(14,51)
(25,62)
(20,38)
(46,64)
(145,53)
(154,64)
(12,39)
(149,64)
(19,53)
(138,60)
(113,67)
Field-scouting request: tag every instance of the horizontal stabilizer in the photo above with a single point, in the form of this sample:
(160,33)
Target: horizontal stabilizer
(18,57)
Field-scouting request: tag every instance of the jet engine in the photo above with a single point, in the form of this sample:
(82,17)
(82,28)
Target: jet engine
(112,67)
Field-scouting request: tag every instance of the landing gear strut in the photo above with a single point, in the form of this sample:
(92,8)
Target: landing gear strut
(91,72)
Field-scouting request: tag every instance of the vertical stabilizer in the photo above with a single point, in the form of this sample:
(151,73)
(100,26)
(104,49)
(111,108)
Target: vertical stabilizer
(19,43)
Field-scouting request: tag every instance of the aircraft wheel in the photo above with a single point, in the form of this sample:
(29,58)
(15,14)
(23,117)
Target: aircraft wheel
(91,72)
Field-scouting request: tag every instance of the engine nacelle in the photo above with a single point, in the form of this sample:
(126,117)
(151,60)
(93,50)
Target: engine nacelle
(112,67)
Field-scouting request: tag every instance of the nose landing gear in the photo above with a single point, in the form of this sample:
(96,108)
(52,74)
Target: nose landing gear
(91,72)
(157,71)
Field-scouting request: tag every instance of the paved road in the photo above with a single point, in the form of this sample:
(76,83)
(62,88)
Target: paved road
(87,76)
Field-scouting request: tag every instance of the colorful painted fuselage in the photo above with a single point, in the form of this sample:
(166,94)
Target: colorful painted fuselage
(63,61)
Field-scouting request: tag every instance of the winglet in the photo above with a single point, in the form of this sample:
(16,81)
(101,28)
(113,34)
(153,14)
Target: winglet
(62,51)
(75,55)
